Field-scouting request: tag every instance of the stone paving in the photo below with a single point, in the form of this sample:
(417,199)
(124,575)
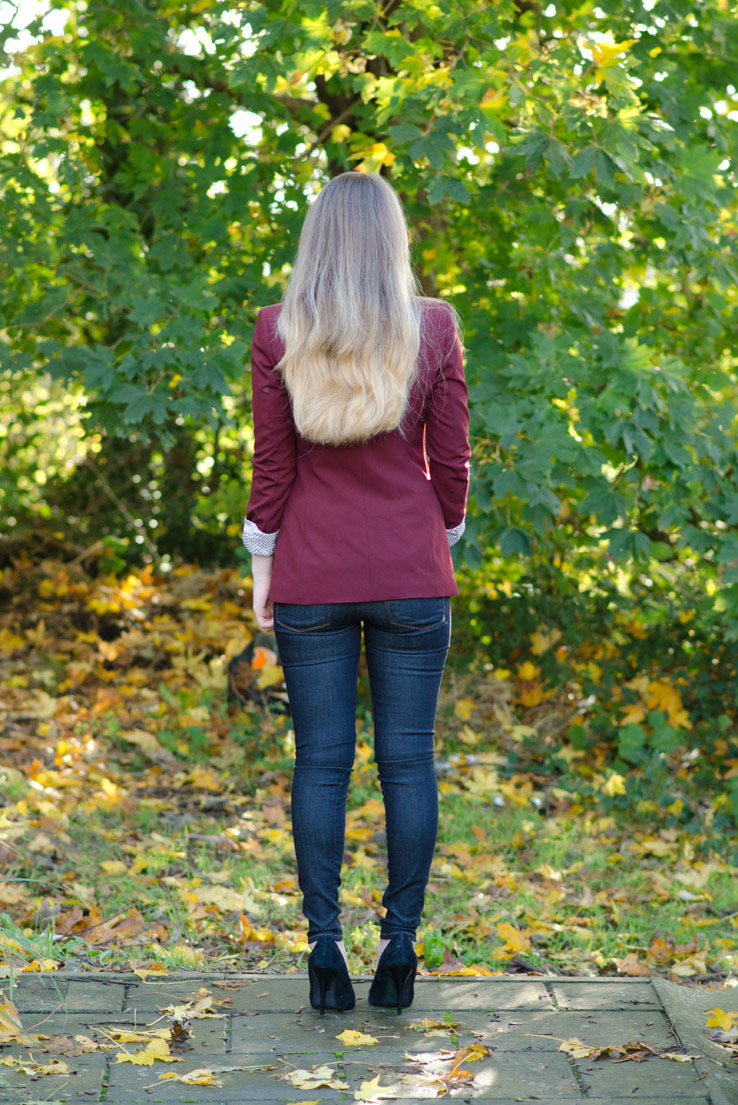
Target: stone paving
(265,1030)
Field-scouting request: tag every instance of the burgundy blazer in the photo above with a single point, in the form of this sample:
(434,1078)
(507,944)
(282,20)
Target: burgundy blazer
(360,523)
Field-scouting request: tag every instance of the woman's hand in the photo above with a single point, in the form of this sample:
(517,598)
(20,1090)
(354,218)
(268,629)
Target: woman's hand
(263,607)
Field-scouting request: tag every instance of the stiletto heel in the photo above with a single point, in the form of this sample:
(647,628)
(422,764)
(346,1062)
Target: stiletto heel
(330,985)
(395,974)
(324,976)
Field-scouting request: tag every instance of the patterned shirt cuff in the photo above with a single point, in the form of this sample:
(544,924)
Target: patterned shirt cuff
(455,533)
(258,543)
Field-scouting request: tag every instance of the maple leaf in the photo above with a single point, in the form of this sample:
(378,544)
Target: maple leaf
(468,1054)
(527,672)
(354,1038)
(203,1076)
(157,1050)
(372,1091)
(320,1077)
(515,940)
(718,1018)
(542,641)
(464,708)
(27,1066)
(615,784)
(271,675)
(632,965)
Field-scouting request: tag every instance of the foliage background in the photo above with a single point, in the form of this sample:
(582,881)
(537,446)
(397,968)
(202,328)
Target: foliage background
(568,171)
(569,175)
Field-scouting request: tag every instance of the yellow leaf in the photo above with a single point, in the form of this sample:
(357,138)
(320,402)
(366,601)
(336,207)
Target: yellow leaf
(185,952)
(468,1055)
(717,1018)
(41,965)
(605,53)
(322,1077)
(204,778)
(144,972)
(615,784)
(464,708)
(502,673)
(356,1039)
(468,736)
(436,1028)
(340,133)
(8,944)
(634,712)
(531,696)
(113,867)
(527,672)
(494,98)
(203,1076)
(144,740)
(373,156)
(664,696)
(134,1036)
(28,1066)
(541,641)
(519,732)
(372,1091)
(576,1048)
(112,790)
(270,676)
(515,940)
(156,1049)
(10,1026)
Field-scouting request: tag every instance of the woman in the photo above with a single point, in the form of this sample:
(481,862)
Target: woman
(360,478)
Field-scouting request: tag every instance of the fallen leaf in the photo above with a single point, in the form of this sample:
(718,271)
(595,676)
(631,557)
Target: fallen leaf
(515,940)
(157,1049)
(717,1018)
(372,1091)
(27,1066)
(10,1026)
(322,1077)
(632,965)
(356,1039)
(144,972)
(435,1028)
(200,1077)
(467,1055)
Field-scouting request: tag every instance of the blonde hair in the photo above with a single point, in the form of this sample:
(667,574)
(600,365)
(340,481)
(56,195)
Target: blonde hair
(350,318)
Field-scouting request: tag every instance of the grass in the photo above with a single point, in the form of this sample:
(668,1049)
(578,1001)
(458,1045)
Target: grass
(512,882)
(145,821)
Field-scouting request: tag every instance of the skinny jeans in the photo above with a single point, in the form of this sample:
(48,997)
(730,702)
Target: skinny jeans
(406,642)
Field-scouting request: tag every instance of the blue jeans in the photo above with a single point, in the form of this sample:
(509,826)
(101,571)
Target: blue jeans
(406,642)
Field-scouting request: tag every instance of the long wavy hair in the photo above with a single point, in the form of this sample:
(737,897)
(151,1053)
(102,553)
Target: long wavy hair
(350,318)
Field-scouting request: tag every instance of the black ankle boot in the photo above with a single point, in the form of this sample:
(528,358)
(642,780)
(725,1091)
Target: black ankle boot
(394,977)
(330,985)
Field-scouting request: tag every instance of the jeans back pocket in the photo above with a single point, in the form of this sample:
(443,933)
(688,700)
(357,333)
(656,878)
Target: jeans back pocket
(299,618)
(418,615)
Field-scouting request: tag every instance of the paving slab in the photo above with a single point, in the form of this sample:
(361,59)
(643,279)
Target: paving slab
(263,1028)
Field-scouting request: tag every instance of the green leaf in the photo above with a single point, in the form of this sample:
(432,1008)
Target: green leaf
(514,542)
(632,740)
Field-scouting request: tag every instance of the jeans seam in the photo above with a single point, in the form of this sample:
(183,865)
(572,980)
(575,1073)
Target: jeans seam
(337,862)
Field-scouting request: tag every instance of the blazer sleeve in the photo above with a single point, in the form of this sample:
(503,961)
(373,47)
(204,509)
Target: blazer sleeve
(447,437)
(275,453)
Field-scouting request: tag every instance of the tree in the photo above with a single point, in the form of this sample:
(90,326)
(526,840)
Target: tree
(569,173)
